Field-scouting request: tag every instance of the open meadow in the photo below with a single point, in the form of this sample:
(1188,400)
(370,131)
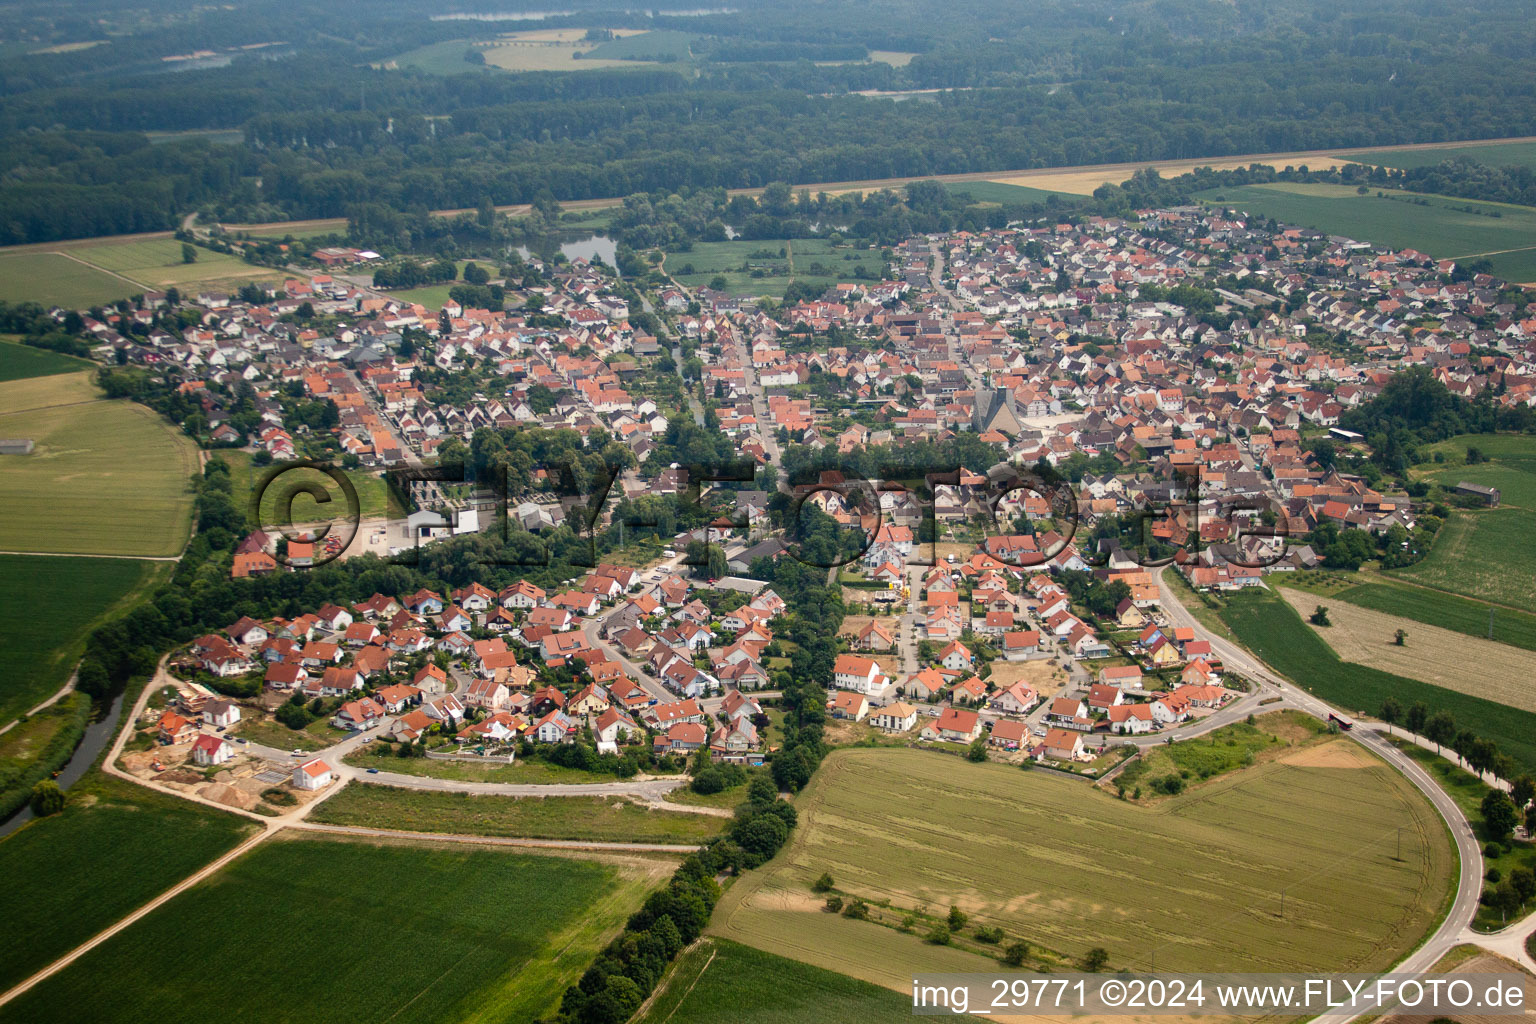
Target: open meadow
(1431,654)
(1521,153)
(1442,227)
(106,476)
(18,362)
(1194,880)
(613,819)
(47,619)
(718,980)
(1265,624)
(410,932)
(115,846)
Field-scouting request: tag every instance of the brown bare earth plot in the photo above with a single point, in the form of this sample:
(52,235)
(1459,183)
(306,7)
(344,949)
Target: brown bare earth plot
(1441,657)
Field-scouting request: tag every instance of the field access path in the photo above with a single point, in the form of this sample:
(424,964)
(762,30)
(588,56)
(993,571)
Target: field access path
(1456,928)
(649,791)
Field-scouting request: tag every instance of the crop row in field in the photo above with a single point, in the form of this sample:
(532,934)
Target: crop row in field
(1268,626)
(407,932)
(1437,608)
(105,477)
(1487,554)
(1194,881)
(47,618)
(71,875)
(18,362)
(566,817)
(1429,653)
(717,980)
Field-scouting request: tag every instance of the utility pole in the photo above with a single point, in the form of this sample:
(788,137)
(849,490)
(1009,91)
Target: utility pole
(1399,843)
(1490,623)
(1282,903)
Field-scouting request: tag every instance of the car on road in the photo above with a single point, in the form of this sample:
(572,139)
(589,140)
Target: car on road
(296,753)
(373,771)
(367,739)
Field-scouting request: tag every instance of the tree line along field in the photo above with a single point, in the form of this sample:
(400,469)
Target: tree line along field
(71,875)
(1194,880)
(1438,225)
(105,477)
(1493,154)
(325,930)
(18,362)
(718,980)
(566,817)
(1265,624)
(48,617)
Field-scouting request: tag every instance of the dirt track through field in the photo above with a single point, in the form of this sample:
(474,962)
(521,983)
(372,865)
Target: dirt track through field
(1440,657)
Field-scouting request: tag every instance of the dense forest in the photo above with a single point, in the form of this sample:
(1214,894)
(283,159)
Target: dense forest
(326,121)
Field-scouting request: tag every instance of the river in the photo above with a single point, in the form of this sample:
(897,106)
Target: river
(98,735)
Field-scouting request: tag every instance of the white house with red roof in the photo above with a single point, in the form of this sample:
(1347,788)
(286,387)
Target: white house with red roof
(311,775)
(854,672)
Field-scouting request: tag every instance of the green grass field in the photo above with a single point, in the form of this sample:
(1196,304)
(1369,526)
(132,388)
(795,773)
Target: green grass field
(719,980)
(1442,227)
(71,875)
(106,477)
(157,264)
(668,44)
(1437,608)
(19,362)
(1511,465)
(776,262)
(1266,625)
(612,819)
(1496,154)
(56,280)
(48,618)
(1195,879)
(329,931)
(527,770)
(372,491)
(433,296)
(1485,555)
(1003,193)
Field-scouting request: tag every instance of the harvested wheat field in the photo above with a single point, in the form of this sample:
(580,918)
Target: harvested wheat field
(1440,657)
(1082,181)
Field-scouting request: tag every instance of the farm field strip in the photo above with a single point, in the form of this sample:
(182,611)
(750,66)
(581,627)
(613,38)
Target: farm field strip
(1438,608)
(106,476)
(1265,624)
(1440,657)
(513,930)
(1486,555)
(1438,225)
(1195,878)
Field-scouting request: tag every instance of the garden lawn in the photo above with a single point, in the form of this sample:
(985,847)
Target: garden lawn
(115,846)
(107,476)
(605,819)
(48,618)
(1266,625)
(719,980)
(325,931)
